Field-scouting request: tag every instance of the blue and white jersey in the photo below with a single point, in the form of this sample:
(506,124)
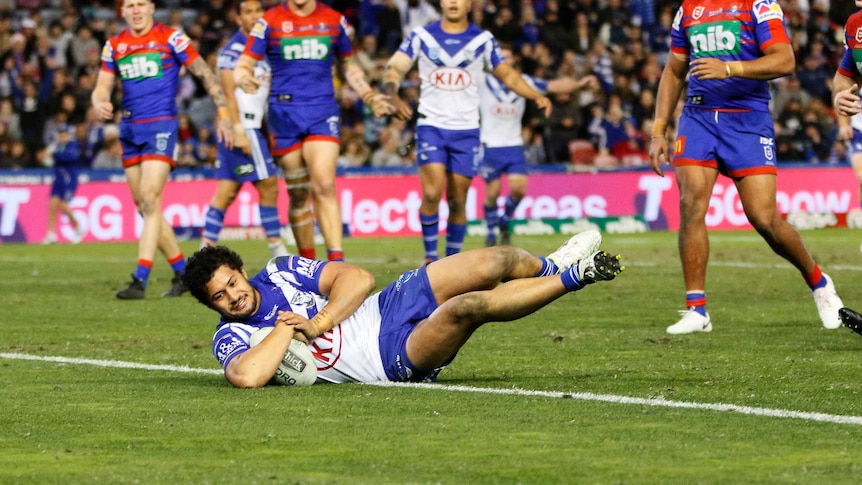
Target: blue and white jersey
(451,67)
(350,352)
(856,122)
(502,110)
(252,107)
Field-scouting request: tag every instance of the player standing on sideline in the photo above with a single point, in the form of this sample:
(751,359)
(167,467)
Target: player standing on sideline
(409,331)
(845,98)
(67,157)
(147,57)
(250,159)
(300,39)
(453,55)
(726,128)
(502,151)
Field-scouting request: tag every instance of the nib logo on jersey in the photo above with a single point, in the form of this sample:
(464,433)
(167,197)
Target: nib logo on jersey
(140,66)
(715,39)
(306,48)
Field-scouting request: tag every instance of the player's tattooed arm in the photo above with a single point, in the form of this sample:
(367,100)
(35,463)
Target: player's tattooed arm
(201,70)
(378,103)
(397,67)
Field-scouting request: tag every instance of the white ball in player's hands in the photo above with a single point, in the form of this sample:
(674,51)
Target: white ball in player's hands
(298,367)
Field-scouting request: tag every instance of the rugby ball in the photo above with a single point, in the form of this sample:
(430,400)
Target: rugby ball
(298,367)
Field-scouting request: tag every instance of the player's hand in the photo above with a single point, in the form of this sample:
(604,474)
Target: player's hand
(708,68)
(381,105)
(658,153)
(250,84)
(847,101)
(545,105)
(402,109)
(105,110)
(300,324)
(224,132)
(590,81)
(240,139)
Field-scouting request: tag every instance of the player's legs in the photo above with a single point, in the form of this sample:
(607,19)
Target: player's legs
(492,214)
(51,232)
(501,286)
(321,157)
(517,190)
(225,194)
(457,187)
(267,190)
(432,178)
(298,184)
(695,188)
(757,194)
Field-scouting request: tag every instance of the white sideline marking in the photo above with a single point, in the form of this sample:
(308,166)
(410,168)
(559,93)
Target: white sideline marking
(581,396)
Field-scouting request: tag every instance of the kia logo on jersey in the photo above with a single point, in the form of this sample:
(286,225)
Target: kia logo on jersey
(697,13)
(450,78)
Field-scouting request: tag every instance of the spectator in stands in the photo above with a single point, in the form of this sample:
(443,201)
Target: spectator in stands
(554,34)
(82,44)
(354,153)
(59,40)
(18,156)
(564,124)
(388,22)
(815,79)
(10,120)
(534,146)
(529,28)
(33,111)
(110,156)
(5,31)
(387,155)
(415,13)
(787,90)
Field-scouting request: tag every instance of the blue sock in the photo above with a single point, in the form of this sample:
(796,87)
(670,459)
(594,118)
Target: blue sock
(455,238)
(492,219)
(570,279)
(213,223)
(269,220)
(430,234)
(696,300)
(548,268)
(178,264)
(509,208)
(142,271)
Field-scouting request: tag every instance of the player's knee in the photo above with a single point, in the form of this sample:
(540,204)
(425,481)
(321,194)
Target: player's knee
(468,308)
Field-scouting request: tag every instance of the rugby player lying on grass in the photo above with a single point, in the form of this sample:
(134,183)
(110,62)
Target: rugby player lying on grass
(408,332)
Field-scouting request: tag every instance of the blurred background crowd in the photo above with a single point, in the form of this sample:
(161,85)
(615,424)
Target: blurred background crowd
(50,51)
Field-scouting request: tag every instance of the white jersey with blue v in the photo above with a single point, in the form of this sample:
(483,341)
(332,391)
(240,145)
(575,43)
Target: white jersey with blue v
(451,67)
(502,110)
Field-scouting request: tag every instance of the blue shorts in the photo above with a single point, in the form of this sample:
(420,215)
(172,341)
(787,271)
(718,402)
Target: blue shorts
(65,183)
(735,143)
(500,160)
(292,124)
(237,166)
(151,140)
(403,305)
(457,149)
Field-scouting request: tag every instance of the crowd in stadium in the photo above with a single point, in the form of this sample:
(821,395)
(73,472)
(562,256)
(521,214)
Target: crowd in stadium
(51,50)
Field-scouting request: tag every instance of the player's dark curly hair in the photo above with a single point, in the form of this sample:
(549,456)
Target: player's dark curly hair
(201,266)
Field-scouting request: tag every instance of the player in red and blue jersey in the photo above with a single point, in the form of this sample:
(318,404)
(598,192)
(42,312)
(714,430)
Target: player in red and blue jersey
(730,49)
(147,57)
(301,40)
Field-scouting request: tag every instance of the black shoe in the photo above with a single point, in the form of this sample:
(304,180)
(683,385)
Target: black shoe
(505,235)
(135,291)
(600,266)
(177,287)
(851,319)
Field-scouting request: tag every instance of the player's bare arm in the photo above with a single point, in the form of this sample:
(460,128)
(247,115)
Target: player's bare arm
(243,74)
(256,366)
(567,84)
(240,140)
(778,61)
(379,103)
(224,129)
(101,97)
(347,287)
(513,80)
(669,89)
(397,67)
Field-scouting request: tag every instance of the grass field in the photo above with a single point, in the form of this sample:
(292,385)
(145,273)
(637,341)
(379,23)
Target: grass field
(794,387)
